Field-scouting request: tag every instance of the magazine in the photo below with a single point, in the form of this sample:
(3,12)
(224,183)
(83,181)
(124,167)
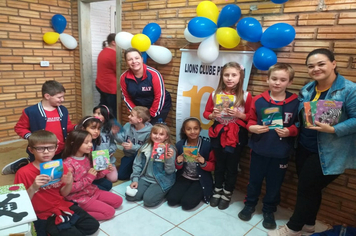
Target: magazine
(328,112)
(272,117)
(224,102)
(101,159)
(190,153)
(159,152)
(54,169)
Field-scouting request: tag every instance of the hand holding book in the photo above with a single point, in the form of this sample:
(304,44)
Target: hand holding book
(321,127)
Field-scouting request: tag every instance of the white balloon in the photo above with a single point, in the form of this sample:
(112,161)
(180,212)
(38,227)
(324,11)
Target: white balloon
(123,40)
(68,41)
(159,54)
(208,50)
(190,38)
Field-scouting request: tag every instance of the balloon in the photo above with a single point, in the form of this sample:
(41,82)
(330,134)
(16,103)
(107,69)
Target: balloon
(190,38)
(249,29)
(201,27)
(278,35)
(159,54)
(68,41)
(144,57)
(209,10)
(50,37)
(208,50)
(123,40)
(141,42)
(59,23)
(229,15)
(264,58)
(153,31)
(279,1)
(227,37)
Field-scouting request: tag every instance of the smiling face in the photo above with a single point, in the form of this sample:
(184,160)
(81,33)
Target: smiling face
(159,135)
(278,81)
(231,77)
(94,130)
(320,68)
(134,119)
(86,147)
(134,61)
(192,130)
(55,100)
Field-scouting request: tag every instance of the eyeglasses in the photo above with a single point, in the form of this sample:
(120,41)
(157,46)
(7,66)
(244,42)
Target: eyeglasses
(42,149)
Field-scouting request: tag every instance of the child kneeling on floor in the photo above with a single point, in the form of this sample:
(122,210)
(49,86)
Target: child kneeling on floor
(48,201)
(150,177)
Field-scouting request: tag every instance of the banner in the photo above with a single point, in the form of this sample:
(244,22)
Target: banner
(198,80)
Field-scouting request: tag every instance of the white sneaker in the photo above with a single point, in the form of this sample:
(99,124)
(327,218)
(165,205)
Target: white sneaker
(284,231)
(308,229)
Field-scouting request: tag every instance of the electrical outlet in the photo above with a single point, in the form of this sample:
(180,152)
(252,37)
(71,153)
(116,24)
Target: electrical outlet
(44,63)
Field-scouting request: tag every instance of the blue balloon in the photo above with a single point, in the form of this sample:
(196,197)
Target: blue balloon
(201,27)
(264,58)
(279,1)
(153,31)
(59,23)
(144,57)
(278,35)
(229,15)
(249,29)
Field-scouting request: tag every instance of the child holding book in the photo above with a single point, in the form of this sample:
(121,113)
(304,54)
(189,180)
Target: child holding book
(228,133)
(194,180)
(270,148)
(151,178)
(107,141)
(135,134)
(77,156)
(48,201)
(93,125)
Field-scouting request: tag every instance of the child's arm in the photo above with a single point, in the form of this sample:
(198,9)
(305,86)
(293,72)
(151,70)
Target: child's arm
(179,162)
(120,136)
(169,164)
(40,180)
(70,126)
(22,127)
(252,124)
(67,180)
(210,164)
(211,112)
(137,146)
(85,180)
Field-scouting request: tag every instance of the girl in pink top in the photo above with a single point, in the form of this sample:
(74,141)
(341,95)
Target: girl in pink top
(77,157)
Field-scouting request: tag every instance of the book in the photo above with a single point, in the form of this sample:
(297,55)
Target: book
(190,153)
(54,169)
(15,207)
(101,159)
(313,105)
(272,117)
(159,152)
(328,112)
(308,119)
(224,102)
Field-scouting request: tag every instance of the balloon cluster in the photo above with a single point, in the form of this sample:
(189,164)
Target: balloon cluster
(211,29)
(144,43)
(59,23)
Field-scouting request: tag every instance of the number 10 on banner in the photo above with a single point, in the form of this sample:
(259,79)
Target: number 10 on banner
(196,102)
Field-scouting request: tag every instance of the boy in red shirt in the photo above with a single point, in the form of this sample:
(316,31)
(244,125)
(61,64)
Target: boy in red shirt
(55,215)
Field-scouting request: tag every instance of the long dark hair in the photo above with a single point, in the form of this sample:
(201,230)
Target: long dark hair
(182,129)
(106,112)
(73,142)
(88,121)
(109,39)
(329,54)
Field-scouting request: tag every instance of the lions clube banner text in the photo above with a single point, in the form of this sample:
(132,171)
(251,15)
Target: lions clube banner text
(198,80)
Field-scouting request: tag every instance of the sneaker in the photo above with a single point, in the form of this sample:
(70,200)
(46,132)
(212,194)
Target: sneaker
(246,213)
(215,199)
(13,167)
(225,200)
(284,231)
(268,220)
(309,229)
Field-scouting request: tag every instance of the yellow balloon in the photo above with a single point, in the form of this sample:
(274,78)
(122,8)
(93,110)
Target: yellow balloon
(141,42)
(227,37)
(209,10)
(51,37)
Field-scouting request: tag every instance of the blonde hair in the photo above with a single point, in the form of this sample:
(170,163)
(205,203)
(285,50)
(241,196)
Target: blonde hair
(158,127)
(143,113)
(239,93)
(282,66)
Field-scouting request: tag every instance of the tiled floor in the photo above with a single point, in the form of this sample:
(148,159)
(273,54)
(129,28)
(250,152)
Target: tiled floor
(136,220)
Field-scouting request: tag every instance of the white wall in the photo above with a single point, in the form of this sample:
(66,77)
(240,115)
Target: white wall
(100,22)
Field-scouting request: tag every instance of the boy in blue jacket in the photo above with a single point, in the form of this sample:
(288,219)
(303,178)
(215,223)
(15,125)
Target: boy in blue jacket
(270,148)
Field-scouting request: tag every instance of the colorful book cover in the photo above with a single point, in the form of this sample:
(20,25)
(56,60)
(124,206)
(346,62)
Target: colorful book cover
(101,159)
(224,102)
(308,115)
(272,117)
(190,153)
(328,111)
(54,169)
(15,207)
(159,152)
(313,109)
